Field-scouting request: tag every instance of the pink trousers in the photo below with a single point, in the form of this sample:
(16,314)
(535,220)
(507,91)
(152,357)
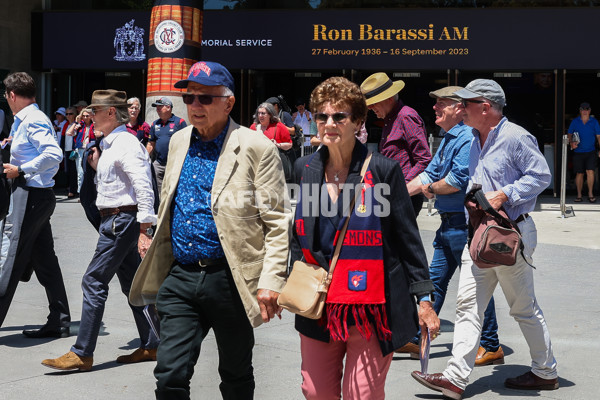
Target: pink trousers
(325,377)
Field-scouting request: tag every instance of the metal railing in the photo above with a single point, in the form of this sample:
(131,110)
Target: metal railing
(565,211)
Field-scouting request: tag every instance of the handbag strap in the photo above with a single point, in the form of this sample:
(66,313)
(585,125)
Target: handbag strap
(487,207)
(340,240)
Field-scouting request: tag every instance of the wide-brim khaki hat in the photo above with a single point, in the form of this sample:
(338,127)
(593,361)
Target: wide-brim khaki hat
(446,93)
(109,98)
(379,87)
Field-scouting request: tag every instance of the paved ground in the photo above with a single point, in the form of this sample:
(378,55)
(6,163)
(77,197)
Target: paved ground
(566,283)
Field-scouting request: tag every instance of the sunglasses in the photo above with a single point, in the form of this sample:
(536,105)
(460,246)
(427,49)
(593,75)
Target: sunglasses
(465,101)
(338,117)
(70,113)
(204,99)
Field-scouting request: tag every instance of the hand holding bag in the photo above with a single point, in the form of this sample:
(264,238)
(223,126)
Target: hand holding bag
(494,239)
(306,288)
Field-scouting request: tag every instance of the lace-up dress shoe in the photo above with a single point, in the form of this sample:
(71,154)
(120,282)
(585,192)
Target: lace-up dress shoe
(530,381)
(47,332)
(138,356)
(411,348)
(439,383)
(69,361)
(485,357)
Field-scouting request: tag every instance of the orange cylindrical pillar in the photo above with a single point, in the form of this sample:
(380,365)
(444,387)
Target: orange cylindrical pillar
(175,40)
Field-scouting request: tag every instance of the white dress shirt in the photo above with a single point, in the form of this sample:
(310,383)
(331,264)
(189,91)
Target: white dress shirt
(123,175)
(34,147)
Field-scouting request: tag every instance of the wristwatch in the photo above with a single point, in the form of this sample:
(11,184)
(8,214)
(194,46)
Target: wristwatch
(20,171)
(148,231)
(430,188)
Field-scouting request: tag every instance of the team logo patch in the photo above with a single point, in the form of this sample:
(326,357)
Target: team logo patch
(357,280)
(168,36)
(171,126)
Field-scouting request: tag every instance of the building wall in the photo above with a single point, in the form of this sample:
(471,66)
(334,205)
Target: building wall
(15,31)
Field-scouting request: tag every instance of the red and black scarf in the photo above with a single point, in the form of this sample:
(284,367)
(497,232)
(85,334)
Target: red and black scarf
(358,283)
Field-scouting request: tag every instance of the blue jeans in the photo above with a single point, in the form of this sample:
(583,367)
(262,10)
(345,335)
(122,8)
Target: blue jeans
(449,243)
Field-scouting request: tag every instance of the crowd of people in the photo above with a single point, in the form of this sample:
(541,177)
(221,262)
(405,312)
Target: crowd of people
(177,227)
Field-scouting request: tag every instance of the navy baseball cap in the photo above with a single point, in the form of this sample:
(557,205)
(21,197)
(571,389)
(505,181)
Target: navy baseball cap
(208,74)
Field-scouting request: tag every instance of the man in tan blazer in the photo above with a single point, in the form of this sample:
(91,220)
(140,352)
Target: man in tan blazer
(218,258)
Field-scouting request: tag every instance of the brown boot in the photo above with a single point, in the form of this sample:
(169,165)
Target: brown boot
(138,356)
(485,357)
(411,348)
(69,361)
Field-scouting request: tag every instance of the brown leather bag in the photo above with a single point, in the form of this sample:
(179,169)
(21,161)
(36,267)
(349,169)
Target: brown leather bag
(494,239)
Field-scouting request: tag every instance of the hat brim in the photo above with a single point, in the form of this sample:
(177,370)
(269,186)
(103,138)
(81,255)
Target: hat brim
(182,84)
(467,94)
(124,105)
(396,87)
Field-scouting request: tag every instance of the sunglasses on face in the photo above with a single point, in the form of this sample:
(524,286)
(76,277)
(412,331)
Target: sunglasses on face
(466,101)
(338,117)
(204,99)
(70,113)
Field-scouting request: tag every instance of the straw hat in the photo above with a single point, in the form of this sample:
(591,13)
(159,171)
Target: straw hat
(379,87)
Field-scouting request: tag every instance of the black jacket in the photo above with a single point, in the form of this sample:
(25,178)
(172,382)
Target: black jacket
(404,258)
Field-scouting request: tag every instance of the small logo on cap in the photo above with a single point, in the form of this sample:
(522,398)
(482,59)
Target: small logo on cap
(200,67)
(168,36)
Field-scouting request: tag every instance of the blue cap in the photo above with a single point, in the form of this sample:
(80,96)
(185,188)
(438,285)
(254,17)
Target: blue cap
(208,74)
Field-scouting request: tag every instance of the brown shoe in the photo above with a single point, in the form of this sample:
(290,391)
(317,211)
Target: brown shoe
(70,361)
(485,357)
(138,356)
(439,383)
(410,348)
(530,381)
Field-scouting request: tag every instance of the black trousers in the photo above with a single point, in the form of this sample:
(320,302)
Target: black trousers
(36,248)
(191,301)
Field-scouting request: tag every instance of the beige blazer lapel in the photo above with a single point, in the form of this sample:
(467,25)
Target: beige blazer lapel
(227,161)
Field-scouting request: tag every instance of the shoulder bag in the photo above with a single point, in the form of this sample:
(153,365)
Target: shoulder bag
(306,288)
(494,239)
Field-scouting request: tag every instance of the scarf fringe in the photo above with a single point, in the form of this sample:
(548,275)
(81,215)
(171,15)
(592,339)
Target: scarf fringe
(337,321)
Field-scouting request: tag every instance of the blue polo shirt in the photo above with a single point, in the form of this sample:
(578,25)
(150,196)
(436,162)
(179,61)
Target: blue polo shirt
(451,162)
(161,133)
(587,134)
(194,234)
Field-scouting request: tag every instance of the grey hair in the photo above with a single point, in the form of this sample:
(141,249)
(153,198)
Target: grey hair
(270,109)
(121,115)
(227,91)
(495,106)
(132,100)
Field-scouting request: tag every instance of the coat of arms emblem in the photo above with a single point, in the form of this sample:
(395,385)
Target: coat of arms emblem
(129,43)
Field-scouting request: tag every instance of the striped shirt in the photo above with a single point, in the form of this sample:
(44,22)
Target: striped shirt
(404,139)
(511,161)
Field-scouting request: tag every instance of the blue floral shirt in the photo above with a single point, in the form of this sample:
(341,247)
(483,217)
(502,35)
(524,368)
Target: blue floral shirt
(194,234)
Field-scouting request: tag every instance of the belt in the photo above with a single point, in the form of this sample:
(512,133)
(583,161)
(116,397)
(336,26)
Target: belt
(209,262)
(446,215)
(521,218)
(106,212)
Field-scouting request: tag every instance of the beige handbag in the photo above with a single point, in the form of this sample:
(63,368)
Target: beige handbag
(306,288)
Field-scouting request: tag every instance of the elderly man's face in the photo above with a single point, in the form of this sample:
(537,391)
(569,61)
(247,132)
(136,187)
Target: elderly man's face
(447,113)
(472,111)
(382,108)
(209,119)
(164,112)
